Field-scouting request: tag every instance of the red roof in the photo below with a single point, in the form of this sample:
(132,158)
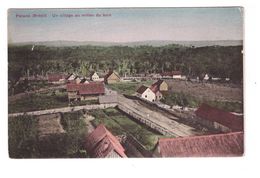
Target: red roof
(141,89)
(234,122)
(87,88)
(55,77)
(101,142)
(72,87)
(171,73)
(229,144)
(156,86)
(91,88)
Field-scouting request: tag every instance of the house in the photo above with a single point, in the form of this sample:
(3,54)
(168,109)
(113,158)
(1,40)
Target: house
(103,144)
(91,91)
(111,77)
(77,80)
(206,77)
(161,85)
(85,91)
(84,80)
(227,144)
(71,77)
(171,75)
(146,93)
(94,76)
(56,78)
(218,119)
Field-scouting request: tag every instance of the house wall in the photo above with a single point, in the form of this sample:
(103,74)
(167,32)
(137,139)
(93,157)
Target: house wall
(148,95)
(113,78)
(158,96)
(77,80)
(95,77)
(212,125)
(176,76)
(72,95)
(163,86)
(88,97)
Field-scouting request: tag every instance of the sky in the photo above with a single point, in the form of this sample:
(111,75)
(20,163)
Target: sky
(125,24)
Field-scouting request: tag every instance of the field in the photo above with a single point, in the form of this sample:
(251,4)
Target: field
(128,88)
(66,142)
(42,101)
(223,96)
(209,91)
(119,124)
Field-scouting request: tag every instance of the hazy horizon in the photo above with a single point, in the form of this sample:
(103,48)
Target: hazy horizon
(125,25)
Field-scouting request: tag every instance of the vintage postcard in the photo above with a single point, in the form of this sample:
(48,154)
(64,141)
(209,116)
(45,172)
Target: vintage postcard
(125,82)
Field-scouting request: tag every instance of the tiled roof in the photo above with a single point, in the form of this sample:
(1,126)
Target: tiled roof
(141,89)
(72,87)
(222,117)
(101,142)
(55,77)
(91,88)
(229,144)
(87,88)
(156,86)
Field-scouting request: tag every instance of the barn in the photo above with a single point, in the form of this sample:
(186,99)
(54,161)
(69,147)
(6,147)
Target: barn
(218,119)
(227,144)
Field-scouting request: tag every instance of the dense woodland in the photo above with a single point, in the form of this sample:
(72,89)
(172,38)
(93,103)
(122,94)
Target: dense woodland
(217,61)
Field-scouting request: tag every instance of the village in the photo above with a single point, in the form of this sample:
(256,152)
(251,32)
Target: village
(134,116)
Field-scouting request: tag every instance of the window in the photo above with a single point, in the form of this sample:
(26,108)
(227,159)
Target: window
(145,96)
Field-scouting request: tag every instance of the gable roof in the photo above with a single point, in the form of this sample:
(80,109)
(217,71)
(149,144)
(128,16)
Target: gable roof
(84,80)
(228,144)
(87,88)
(92,73)
(141,89)
(72,87)
(155,87)
(222,117)
(101,142)
(55,77)
(110,73)
(91,88)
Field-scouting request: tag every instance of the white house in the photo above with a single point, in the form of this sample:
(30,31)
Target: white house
(94,76)
(206,77)
(146,93)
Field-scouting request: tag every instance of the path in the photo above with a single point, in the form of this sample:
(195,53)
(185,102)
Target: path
(64,110)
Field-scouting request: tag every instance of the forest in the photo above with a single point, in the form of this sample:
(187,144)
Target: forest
(217,61)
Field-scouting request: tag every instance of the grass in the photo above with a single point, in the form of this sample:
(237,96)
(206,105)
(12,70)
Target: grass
(22,137)
(24,142)
(119,124)
(128,88)
(186,100)
(42,101)
(39,101)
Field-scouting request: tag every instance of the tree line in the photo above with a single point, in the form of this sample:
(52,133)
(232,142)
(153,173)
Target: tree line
(216,61)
